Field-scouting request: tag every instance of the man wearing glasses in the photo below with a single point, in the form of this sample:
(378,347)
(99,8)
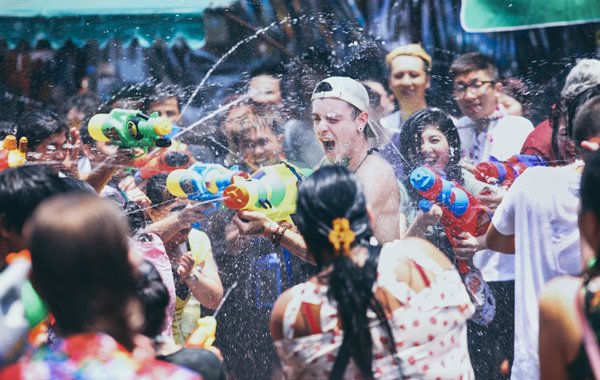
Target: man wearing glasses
(487,130)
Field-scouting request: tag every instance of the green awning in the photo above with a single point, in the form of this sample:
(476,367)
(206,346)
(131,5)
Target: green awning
(507,15)
(80,21)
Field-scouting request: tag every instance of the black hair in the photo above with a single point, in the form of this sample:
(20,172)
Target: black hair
(557,113)
(135,218)
(7,128)
(88,103)
(84,133)
(156,189)
(474,61)
(37,126)
(160,92)
(333,192)
(80,266)
(74,185)
(22,189)
(199,360)
(590,186)
(411,140)
(154,297)
(583,115)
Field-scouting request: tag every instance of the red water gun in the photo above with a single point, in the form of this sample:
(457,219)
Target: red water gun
(164,161)
(504,173)
(461,212)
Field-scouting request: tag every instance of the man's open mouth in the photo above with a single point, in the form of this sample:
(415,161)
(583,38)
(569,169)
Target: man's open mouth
(328,144)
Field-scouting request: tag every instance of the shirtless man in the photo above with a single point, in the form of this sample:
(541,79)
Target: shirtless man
(341,122)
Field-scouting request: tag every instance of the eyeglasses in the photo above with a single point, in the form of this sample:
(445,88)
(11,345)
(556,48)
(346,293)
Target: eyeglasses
(476,86)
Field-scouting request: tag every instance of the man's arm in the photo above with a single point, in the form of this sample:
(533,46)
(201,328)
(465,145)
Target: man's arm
(257,223)
(383,196)
(498,242)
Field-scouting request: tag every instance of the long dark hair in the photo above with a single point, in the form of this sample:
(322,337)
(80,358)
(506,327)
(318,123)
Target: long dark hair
(411,140)
(80,266)
(329,193)
(590,202)
(568,109)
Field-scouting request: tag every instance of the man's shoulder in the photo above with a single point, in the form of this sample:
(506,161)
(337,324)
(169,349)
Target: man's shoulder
(377,172)
(512,121)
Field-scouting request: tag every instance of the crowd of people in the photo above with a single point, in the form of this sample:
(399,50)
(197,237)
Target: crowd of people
(375,278)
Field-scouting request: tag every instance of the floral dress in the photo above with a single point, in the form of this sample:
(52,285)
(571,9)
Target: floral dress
(429,330)
(90,356)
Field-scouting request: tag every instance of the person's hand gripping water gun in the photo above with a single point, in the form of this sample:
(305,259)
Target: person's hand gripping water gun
(504,173)
(271,190)
(131,129)
(12,155)
(461,212)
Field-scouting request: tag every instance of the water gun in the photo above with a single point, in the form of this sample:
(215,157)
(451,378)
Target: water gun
(12,156)
(163,162)
(35,309)
(202,182)
(204,334)
(461,212)
(271,190)
(24,314)
(504,173)
(131,129)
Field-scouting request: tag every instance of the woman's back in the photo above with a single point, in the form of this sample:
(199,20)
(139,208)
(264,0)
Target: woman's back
(426,305)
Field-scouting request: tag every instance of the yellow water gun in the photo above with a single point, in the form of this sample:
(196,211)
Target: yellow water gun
(12,156)
(271,190)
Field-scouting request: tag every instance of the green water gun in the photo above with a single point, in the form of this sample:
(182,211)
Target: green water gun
(131,129)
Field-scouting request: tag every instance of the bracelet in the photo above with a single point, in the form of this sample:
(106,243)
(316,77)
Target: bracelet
(192,277)
(277,235)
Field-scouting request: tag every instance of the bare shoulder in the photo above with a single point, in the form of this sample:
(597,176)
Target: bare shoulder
(420,247)
(377,171)
(558,296)
(278,313)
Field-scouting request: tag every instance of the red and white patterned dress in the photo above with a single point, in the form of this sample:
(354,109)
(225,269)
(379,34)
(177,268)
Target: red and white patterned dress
(430,328)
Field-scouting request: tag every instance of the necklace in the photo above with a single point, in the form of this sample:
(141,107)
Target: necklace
(369,152)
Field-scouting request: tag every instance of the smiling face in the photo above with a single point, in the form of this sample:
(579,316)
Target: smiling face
(435,149)
(259,146)
(476,94)
(408,79)
(52,150)
(337,129)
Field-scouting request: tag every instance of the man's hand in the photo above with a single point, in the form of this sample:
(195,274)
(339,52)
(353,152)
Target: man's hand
(193,212)
(431,217)
(252,222)
(186,265)
(491,197)
(466,246)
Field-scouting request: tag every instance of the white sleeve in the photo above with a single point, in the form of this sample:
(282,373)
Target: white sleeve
(504,217)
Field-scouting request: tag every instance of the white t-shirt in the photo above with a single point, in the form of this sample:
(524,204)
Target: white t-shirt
(502,139)
(540,209)
(392,122)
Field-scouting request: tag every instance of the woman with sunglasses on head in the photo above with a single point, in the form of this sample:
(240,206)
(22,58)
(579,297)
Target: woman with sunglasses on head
(371,311)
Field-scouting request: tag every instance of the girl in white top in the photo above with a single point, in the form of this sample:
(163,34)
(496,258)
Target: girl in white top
(394,312)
